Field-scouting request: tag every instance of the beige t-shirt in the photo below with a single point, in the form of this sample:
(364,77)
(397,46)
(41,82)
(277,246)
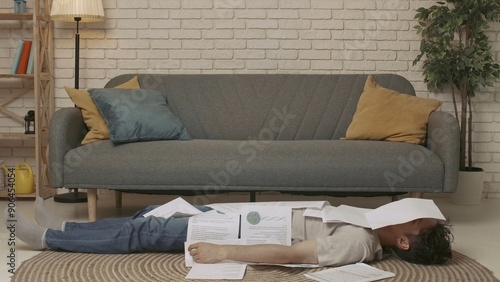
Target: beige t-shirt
(337,243)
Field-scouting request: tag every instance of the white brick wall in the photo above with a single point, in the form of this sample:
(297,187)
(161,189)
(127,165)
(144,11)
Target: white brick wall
(259,36)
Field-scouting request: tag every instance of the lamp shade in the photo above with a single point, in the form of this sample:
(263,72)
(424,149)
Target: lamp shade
(68,10)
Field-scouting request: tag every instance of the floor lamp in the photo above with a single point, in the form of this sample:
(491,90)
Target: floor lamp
(76,11)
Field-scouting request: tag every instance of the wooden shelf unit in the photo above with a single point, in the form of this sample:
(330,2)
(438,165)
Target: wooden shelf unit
(2,75)
(17,136)
(15,16)
(43,88)
(4,195)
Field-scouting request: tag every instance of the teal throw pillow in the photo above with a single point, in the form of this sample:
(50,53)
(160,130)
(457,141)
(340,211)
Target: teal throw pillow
(138,115)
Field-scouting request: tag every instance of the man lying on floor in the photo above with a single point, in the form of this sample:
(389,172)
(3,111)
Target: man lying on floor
(422,241)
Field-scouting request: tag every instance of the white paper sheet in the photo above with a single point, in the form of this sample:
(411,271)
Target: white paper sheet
(359,272)
(303,204)
(176,208)
(314,212)
(266,225)
(213,226)
(237,207)
(347,214)
(217,271)
(402,211)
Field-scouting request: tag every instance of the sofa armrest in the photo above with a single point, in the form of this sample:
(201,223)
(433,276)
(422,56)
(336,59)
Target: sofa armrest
(443,138)
(66,132)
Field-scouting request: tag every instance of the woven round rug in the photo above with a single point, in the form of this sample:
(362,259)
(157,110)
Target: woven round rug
(52,266)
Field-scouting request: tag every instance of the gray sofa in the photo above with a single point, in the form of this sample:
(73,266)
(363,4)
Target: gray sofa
(257,132)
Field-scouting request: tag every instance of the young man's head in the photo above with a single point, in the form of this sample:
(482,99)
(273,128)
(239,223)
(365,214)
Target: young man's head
(422,241)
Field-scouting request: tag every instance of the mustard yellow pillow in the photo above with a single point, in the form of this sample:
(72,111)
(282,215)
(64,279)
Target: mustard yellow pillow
(98,129)
(384,114)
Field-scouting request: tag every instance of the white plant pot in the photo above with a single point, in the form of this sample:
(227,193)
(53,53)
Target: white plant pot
(470,188)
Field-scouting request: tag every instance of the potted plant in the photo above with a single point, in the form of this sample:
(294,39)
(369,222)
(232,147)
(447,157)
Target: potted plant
(458,55)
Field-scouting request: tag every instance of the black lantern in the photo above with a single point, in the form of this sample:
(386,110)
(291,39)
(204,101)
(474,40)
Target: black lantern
(29,122)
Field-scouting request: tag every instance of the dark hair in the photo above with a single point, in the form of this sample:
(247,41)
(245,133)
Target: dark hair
(431,246)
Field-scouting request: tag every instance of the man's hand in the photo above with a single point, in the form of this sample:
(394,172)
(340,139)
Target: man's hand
(207,253)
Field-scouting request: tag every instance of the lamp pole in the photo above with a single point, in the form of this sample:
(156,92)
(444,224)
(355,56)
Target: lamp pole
(77,52)
(76,11)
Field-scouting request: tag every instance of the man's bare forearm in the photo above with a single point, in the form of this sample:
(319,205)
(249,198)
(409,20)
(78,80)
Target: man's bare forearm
(304,252)
(265,253)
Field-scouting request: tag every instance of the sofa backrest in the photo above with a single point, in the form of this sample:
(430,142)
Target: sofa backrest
(264,106)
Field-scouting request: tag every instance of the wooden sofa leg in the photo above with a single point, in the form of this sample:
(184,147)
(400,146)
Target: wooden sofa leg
(118,199)
(395,198)
(92,204)
(416,194)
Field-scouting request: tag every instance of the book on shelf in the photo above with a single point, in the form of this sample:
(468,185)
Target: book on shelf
(25,57)
(17,56)
(31,61)
(24,54)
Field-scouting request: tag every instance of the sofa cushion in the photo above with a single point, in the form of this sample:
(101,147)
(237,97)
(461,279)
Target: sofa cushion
(137,115)
(384,114)
(98,130)
(222,165)
(263,106)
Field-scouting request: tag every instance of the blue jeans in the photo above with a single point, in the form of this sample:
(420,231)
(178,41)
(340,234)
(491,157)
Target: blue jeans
(122,235)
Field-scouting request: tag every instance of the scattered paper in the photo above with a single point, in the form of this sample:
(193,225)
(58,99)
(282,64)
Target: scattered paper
(237,207)
(176,208)
(314,212)
(303,204)
(402,211)
(397,212)
(347,214)
(217,271)
(359,272)
(266,225)
(213,226)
